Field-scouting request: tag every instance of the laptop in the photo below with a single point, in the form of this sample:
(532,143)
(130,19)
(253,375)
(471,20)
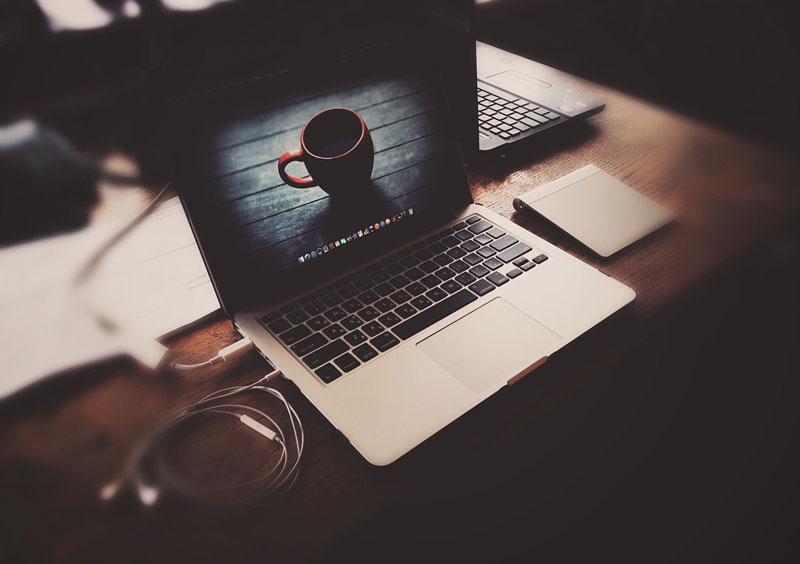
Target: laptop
(394,312)
(518,97)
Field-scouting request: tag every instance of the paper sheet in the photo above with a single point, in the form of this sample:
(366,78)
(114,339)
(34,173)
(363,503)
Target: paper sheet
(151,283)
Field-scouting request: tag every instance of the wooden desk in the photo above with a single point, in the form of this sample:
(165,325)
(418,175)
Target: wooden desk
(664,434)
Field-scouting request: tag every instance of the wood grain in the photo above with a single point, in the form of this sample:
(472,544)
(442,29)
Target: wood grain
(562,449)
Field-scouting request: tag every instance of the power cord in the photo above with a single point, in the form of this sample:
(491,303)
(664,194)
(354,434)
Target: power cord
(148,473)
(224,355)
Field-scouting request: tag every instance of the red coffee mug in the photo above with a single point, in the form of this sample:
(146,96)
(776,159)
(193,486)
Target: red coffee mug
(337,149)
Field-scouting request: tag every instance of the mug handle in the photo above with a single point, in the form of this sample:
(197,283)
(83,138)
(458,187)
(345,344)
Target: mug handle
(285,159)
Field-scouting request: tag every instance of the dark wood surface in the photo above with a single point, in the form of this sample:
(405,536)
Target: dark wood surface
(666,434)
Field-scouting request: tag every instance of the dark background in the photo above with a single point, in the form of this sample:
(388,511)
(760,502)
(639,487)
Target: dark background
(689,454)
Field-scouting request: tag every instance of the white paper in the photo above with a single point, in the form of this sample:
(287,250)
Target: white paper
(151,283)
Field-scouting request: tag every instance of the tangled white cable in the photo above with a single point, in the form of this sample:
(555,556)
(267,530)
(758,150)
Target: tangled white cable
(148,473)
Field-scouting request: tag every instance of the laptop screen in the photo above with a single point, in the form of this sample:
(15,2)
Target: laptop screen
(262,237)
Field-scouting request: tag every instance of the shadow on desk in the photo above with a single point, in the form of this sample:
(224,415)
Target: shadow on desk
(536,148)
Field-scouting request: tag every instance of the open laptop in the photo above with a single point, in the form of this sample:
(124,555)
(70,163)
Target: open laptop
(518,97)
(395,312)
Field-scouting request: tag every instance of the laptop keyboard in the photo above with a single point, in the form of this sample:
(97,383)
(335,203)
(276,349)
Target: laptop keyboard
(509,116)
(338,328)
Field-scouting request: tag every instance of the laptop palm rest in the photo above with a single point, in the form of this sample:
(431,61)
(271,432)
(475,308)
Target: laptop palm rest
(482,348)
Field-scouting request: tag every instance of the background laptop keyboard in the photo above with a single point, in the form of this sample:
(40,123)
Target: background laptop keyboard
(352,321)
(507,116)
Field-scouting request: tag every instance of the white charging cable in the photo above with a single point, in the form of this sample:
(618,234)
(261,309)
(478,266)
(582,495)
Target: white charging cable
(227,354)
(148,473)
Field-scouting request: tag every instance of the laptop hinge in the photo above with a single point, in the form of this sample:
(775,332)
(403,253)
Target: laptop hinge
(525,371)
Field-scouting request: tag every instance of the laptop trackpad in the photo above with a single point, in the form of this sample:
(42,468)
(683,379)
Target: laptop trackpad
(490,345)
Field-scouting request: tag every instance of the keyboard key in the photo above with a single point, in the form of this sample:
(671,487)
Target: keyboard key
(451,286)
(405,311)
(352,306)
(431,281)
(459,226)
(527,266)
(437,294)
(416,289)
(379,276)
(530,122)
(486,252)
(435,313)
(399,281)
(480,226)
(409,261)
(347,292)
(437,248)
(481,287)
(347,362)
(331,300)
(315,308)
(470,246)
(384,289)
(365,352)
(482,239)
(414,273)
(445,273)
(401,296)
(472,259)
(514,252)
(279,326)
(355,338)
(479,271)
(363,284)
(459,266)
(443,259)
(420,302)
(389,319)
(394,269)
(472,219)
(520,261)
(309,344)
(368,313)
(464,235)
(297,316)
(385,341)
(335,314)
(351,322)
(326,353)
(288,307)
(317,323)
(368,297)
(450,241)
(552,115)
(522,126)
(539,259)
(429,266)
(514,273)
(328,373)
(503,243)
(334,331)
(456,252)
(497,279)
(295,334)
(385,305)
(495,232)
(372,328)
(465,279)
(424,254)
(492,263)
(270,317)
